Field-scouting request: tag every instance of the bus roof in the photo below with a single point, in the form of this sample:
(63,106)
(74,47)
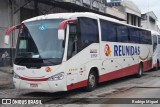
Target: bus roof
(75,15)
(68,16)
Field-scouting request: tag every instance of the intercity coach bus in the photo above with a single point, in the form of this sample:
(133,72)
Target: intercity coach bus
(65,51)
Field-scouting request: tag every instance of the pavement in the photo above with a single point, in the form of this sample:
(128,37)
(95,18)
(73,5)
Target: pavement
(5,79)
(147,90)
(148,86)
(6,69)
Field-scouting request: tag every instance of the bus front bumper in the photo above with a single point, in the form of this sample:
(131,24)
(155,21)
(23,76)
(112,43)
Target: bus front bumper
(41,86)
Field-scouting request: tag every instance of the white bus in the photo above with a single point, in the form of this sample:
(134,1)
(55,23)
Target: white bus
(65,51)
(156,49)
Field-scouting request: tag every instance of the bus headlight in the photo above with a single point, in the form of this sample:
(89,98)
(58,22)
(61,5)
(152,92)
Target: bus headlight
(16,76)
(56,77)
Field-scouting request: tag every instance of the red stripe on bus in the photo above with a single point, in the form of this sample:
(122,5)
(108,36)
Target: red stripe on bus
(119,73)
(29,79)
(77,85)
(147,65)
(131,70)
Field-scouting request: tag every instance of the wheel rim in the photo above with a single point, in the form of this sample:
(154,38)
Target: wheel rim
(92,80)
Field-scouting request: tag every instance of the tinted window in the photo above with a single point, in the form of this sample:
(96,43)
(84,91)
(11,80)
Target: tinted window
(145,37)
(149,38)
(88,32)
(108,30)
(122,33)
(134,35)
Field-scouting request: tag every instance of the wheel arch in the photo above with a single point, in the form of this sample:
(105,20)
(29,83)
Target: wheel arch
(96,71)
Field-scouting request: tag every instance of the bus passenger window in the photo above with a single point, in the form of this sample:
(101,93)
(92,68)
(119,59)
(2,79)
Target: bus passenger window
(88,32)
(158,39)
(72,41)
(108,30)
(134,35)
(122,33)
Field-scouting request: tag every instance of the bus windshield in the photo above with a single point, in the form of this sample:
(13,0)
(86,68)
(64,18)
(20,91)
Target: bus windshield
(39,40)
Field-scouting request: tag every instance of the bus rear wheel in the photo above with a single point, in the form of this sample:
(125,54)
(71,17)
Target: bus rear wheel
(140,71)
(92,81)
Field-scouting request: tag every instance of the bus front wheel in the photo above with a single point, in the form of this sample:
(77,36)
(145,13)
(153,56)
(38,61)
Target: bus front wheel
(92,81)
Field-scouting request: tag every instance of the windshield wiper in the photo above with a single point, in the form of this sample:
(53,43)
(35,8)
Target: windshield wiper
(50,61)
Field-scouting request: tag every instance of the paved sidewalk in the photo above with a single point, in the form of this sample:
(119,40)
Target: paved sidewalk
(6,80)
(6,69)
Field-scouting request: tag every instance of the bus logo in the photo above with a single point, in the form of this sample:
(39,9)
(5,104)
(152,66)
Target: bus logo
(48,69)
(107,50)
(42,27)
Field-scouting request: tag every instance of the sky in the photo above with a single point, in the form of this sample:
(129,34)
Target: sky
(149,5)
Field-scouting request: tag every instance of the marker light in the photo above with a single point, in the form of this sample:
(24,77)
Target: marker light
(56,77)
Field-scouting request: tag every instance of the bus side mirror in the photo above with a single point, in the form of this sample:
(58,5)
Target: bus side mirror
(8,32)
(61,34)
(62,27)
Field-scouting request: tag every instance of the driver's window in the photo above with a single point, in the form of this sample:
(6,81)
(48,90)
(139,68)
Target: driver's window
(72,41)
(23,44)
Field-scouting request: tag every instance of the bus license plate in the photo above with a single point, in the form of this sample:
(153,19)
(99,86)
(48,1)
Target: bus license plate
(34,85)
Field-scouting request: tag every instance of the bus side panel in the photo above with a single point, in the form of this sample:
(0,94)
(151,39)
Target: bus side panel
(117,62)
(78,67)
(119,73)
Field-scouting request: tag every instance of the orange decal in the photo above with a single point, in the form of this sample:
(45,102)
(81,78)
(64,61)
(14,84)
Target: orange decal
(48,69)
(107,50)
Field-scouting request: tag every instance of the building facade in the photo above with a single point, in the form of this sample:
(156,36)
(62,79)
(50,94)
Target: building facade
(13,12)
(149,21)
(127,7)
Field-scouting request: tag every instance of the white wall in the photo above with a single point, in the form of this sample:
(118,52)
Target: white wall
(7,19)
(115,12)
(149,25)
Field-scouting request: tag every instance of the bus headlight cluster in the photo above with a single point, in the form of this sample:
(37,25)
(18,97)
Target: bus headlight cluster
(16,76)
(56,77)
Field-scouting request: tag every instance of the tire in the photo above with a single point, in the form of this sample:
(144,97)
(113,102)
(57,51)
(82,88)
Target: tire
(92,81)
(140,71)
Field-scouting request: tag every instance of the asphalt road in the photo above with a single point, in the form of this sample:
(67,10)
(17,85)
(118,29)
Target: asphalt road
(148,86)
(140,95)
